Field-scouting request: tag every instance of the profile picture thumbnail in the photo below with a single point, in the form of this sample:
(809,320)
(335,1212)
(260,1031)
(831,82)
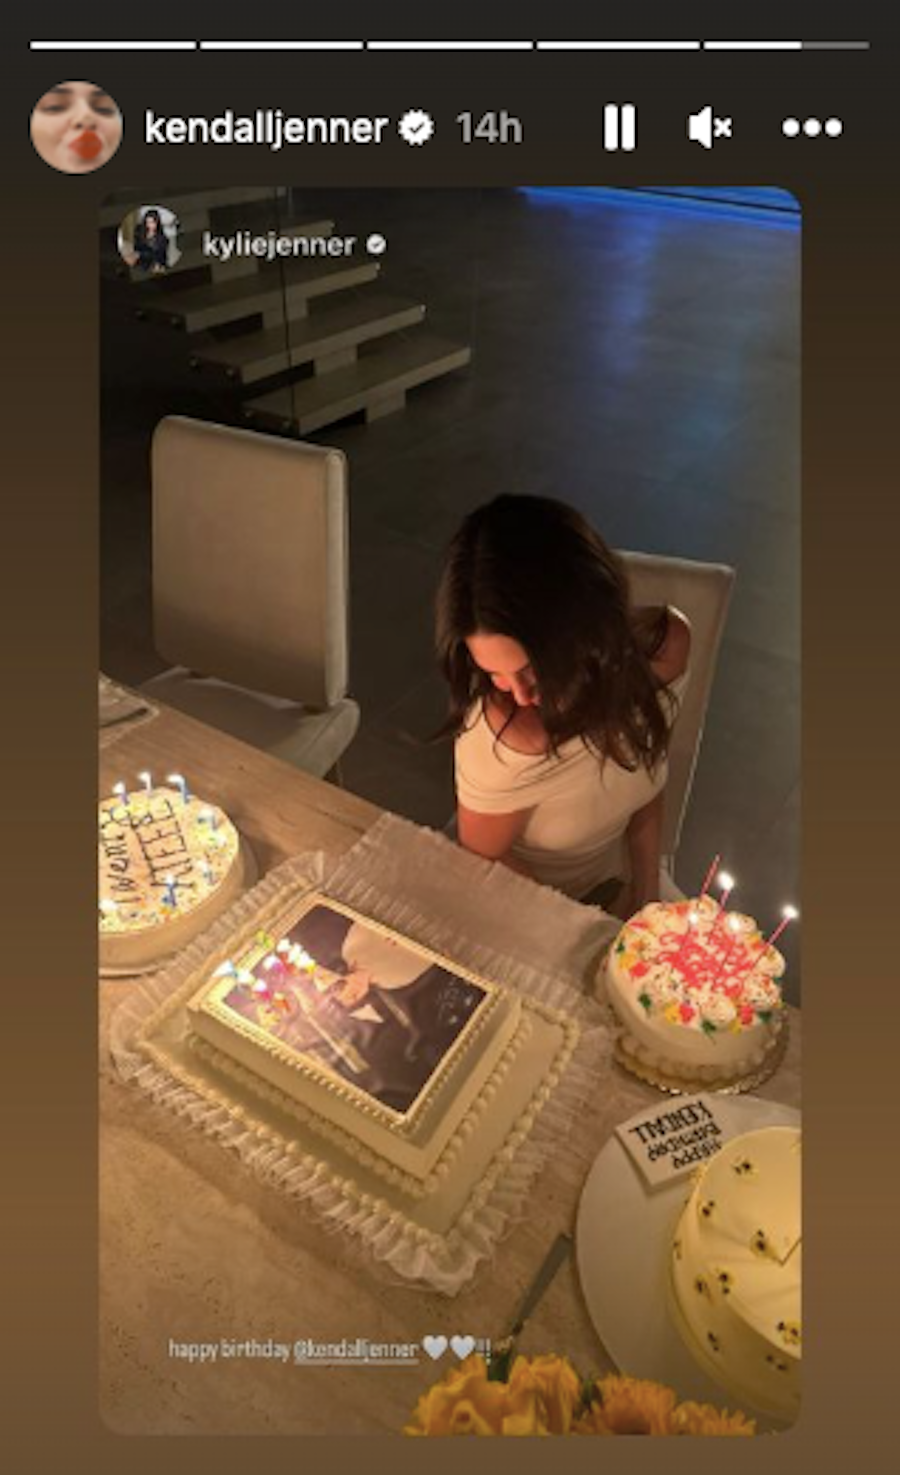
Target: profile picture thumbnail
(148,239)
(76,127)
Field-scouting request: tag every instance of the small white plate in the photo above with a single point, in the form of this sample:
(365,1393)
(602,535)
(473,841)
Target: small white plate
(623,1234)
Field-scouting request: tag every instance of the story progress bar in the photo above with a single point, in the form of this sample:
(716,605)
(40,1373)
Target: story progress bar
(449,45)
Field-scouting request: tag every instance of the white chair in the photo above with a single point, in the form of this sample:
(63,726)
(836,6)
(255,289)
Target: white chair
(250,588)
(702,592)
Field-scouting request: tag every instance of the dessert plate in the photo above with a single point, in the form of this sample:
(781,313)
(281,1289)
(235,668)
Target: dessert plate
(623,1233)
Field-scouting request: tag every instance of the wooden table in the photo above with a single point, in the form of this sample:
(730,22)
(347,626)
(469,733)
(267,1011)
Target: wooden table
(195,1249)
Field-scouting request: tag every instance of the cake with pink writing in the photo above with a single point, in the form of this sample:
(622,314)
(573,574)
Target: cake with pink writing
(169,863)
(697,994)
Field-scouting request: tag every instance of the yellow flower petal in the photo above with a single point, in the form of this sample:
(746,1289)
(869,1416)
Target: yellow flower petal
(635,1405)
(554,1383)
(702,1418)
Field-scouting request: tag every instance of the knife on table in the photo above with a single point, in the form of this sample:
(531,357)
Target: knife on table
(502,1351)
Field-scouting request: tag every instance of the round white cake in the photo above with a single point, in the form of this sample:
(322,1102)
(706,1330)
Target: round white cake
(697,992)
(168,864)
(736,1269)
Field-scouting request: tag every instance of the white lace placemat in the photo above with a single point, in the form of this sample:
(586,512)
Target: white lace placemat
(120,710)
(481,915)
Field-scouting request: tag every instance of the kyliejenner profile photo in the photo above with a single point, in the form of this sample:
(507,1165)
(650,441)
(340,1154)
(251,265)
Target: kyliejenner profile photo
(76,127)
(148,239)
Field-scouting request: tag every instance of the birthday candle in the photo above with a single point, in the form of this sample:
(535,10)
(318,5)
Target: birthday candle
(170,898)
(147,780)
(176,778)
(788,914)
(693,917)
(734,927)
(121,792)
(707,880)
(727,884)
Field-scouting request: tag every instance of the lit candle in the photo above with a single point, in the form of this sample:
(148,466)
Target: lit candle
(693,917)
(707,881)
(788,914)
(147,780)
(121,792)
(170,896)
(726,882)
(176,778)
(734,926)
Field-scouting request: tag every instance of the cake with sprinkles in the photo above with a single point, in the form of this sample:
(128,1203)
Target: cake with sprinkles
(168,864)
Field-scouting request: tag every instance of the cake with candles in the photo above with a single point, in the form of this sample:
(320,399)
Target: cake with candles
(169,863)
(696,991)
(736,1269)
(391,1059)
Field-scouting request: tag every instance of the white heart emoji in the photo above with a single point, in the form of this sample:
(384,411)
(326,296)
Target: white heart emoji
(435,1346)
(462,1346)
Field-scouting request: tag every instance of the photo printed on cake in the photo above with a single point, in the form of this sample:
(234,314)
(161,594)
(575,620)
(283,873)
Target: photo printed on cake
(377,1012)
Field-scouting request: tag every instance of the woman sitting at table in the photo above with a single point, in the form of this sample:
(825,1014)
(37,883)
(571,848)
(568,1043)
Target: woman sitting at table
(562,701)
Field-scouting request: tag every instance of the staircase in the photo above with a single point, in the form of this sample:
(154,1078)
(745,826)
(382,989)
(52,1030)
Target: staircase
(284,335)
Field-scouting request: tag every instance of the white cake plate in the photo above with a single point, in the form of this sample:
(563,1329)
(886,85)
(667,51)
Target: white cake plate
(249,875)
(623,1235)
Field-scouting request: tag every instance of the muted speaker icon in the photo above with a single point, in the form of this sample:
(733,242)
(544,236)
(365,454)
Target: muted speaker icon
(704,127)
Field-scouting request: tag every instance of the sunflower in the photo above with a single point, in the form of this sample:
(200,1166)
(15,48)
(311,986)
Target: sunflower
(624,1405)
(548,1385)
(544,1397)
(463,1402)
(702,1418)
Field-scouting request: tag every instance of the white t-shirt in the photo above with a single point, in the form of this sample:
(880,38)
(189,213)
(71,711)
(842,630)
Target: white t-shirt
(581,805)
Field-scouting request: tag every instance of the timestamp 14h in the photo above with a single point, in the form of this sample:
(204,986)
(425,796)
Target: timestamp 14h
(495,127)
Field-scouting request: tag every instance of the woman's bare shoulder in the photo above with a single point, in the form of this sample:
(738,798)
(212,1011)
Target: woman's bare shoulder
(673,656)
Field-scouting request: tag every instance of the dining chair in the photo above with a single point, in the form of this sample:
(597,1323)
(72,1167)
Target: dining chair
(250,588)
(702,592)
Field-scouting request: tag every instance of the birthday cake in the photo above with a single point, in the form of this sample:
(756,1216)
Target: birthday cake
(736,1269)
(168,864)
(391,1054)
(697,993)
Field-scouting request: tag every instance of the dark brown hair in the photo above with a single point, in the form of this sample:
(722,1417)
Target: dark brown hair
(532,569)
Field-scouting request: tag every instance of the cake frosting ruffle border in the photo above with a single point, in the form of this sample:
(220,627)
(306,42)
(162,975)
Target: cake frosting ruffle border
(374,878)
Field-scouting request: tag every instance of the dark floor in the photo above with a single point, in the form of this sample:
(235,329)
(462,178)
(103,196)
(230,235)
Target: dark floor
(639,362)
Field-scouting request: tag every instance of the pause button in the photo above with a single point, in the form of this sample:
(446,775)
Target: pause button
(619,126)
